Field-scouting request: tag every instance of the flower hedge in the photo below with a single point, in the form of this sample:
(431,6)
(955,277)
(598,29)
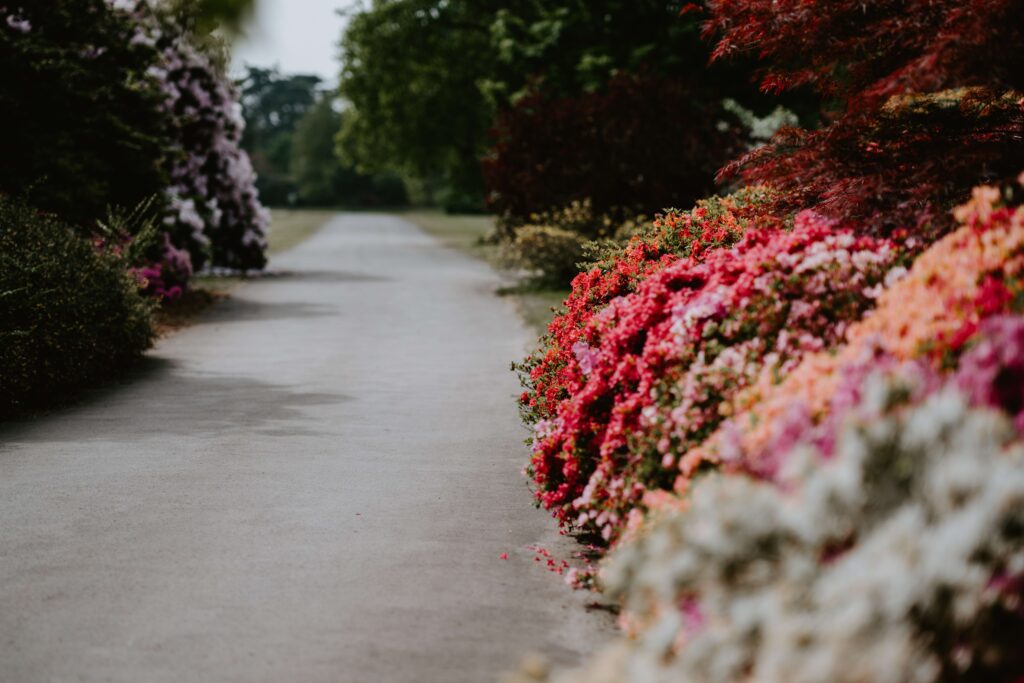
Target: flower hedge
(654,371)
(550,374)
(967,276)
(893,555)
(801,439)
(862,513)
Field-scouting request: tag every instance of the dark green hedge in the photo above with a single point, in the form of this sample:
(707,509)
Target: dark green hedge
(80,119)
(70,314)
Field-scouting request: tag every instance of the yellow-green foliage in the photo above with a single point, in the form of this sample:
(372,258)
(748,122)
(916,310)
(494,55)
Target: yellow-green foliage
(553,243)
(548,252)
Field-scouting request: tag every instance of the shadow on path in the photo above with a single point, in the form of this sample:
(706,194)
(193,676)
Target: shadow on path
(323,276)
(192,405)
(239,309)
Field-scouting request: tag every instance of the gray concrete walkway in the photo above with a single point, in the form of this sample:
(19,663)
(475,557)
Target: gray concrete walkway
(313,484)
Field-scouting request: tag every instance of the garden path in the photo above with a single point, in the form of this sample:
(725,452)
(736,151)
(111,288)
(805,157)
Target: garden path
(314,483)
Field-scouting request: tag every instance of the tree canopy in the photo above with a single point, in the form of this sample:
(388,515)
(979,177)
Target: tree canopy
(424,80)
(77,110)
(273,104)
(412,72)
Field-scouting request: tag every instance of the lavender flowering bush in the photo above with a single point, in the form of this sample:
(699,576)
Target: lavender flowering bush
(214,208)
(111,102)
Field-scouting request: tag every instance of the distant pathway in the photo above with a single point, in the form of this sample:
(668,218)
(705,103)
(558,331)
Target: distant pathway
(313,484)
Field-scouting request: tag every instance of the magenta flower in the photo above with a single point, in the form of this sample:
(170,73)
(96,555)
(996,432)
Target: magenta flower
(992,373)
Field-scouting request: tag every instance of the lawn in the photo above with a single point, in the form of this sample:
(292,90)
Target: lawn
(468,233)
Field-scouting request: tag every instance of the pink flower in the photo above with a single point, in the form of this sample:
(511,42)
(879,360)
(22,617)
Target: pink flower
(585,356)
(992,373)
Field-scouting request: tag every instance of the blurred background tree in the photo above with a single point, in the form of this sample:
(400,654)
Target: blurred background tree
(411,74)
(426,80)
(273,104)
(320,177)
(291,123)
(229,14)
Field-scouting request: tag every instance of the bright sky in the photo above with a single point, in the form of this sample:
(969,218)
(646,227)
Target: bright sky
(299,36)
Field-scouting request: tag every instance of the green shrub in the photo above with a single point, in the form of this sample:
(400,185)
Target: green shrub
(552,244)
(71,313)
(580,217)
(549,253)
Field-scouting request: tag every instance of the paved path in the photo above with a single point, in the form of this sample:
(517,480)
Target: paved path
(313,484)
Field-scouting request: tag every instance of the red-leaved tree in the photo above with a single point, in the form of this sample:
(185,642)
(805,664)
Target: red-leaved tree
(641,144)
(927,101)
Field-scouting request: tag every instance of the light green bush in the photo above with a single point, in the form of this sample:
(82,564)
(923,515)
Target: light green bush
(550,254)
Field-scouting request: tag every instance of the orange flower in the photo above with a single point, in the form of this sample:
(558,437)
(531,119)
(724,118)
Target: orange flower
(922,311)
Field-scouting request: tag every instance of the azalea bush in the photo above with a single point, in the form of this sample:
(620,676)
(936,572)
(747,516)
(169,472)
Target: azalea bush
(165,277)
(862,513)
(549,375)
(802,439)
(972,273)
(894,553)
(72,311)
(655,369)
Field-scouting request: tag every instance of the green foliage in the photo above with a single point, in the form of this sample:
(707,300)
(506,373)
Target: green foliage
(137,230)
(78,113)
(72,314)
(549,253)
(426,78)
(227,14)
(411,71)
(571,46)
(273,104)
(320,177)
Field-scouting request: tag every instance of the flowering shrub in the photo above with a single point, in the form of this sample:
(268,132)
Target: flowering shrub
(869,525)
(655,370)
(551,375)
(214,211)
(896,556)
(167,278)
(967,276)
(142,109)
